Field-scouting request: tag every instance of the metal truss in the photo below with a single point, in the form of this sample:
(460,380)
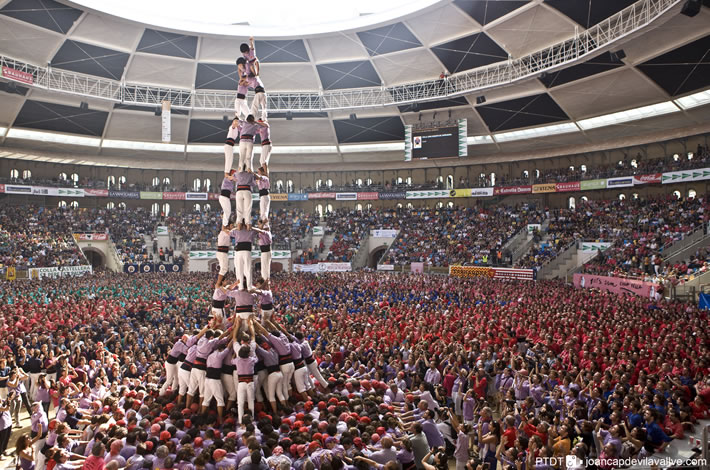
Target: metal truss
(583,46)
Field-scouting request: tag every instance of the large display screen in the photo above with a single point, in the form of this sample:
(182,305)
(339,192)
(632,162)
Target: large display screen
(437,142)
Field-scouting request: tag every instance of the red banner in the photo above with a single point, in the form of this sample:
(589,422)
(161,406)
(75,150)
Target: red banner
(16,75)
(174,196)
(494,273)
(648,179)
(367,196)
(96,192)
(616,285)
(321,195)
(2,188)
(91,236)
(565,187)
(513,190)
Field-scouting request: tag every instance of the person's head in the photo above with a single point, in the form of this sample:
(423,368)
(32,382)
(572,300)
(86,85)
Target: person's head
(98,450)
(244,48)
(23,442)
(241,61)
(244,352)
(250,119)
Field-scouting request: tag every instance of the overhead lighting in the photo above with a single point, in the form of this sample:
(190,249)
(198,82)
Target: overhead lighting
(536,132)
(136,145)
(693,101)
(644,112)
(53,137)
(479,139)
(361,148)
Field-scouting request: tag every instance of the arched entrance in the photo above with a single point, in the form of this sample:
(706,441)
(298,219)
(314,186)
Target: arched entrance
(376,255)
(95,257)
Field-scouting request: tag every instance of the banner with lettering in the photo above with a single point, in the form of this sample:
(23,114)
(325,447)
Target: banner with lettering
(146,268)
(493,273)
(61,271)
(255,254)
(616,285)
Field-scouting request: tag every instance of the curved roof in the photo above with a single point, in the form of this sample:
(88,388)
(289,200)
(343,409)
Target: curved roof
(451,37)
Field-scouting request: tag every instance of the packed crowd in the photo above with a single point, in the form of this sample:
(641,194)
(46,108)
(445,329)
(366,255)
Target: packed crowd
(418,371)
(348,228)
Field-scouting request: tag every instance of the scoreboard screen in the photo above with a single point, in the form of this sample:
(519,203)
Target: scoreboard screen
(437,142)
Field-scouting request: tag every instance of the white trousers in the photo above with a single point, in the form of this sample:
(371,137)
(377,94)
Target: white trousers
(226,204)
(265,154)
(33,385)
(246,150)
(458,401)
(197,382)
(171,379)
(287,371)
(245,396)
(232,134)
(243,198)
(260,379)
(242,266)
(266,264)
(300,378)
(241,108)
(183,381)
(223,259)
(213,389)
(313,369)
(274,388)
(259,102)
(40,459)
(264,207)
(229,388)
(266,315)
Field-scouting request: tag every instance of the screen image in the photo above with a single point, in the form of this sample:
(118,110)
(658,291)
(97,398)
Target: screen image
(440,142)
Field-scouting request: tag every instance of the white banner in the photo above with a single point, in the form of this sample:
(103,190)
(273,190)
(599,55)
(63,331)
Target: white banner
(318,231)
(346,196)
(383,233)
(195,196)
(55,272)
(685,176)
(166,122)
(595,246)
(533,227)
(305,268)
(161,230)
(427,194)
(334,267)
(385,267)
(481,192)
(255,254)
(44,191)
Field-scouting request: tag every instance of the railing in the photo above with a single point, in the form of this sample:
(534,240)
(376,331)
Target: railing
(671,249)
(582,47)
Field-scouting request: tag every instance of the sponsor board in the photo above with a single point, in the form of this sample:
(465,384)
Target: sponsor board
(493,273)
(346,197)
(566,187)
(323,268)
(173,196)
(44,191)
(161,230)
(648,179)
(90,237)
(389,195)
(507,190)
(481,192)
(383,233)
(151,195)
(616,285)
(146,268)
(385,267)
(595,246)
(305,268)
(318,231)
(460,193)
(620,182)
(321,195)
(685,176)
(124,194)
(17,75)
(255,254)
(279,197)
(18,189)
(56,272)
(592,184)
(544,188)
(417,268)
(427,194)
(533,227)
(96,192)
(297,197)
(195,196)
(70,192)
(367,196)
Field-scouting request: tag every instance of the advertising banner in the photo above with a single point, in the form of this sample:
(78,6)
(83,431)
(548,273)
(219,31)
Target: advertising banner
(195,196)
(494,273)
(408,143)
(544,188)
(151,195)
(146,268)
(385,267)
(124,194)
(297,197)
(620,182)
(334,267)
(527,189)
(18,189)
(70,192)
(648,179)
(427,194)
(460,193)
(346,197)
(161,230)
(595,246)
(96,192)
(305,268)
(685,176)
(90,236)
(318,231)
(255,254)
(44,191)
(481,192)
(592,184)
(57,272)
(389,195)
(616,285)
(533,227)
(172,196)
(367,196)
(16,75)
(566,187)
(417,267)
(383,233)
(321,195)
(278,197)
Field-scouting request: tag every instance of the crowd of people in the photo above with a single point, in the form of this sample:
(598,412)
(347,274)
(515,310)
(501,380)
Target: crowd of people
(417,371)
